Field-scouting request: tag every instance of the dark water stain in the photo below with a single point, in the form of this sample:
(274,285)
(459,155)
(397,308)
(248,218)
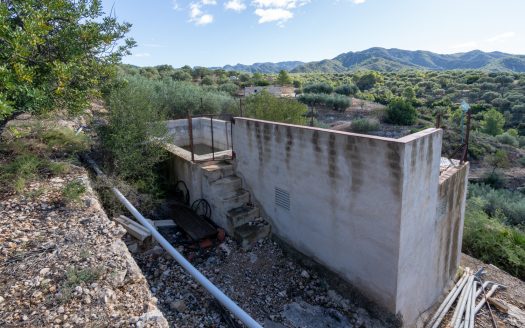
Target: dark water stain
(395,167)
(332,159)
(289,145)
(258,137)
(353,153)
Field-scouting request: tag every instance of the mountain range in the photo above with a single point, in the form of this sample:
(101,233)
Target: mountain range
(391,60)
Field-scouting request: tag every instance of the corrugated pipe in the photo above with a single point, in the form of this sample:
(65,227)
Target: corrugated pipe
(201,279)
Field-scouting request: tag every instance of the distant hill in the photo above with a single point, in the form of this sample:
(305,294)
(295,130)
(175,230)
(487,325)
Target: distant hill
(264,67)
(389,60)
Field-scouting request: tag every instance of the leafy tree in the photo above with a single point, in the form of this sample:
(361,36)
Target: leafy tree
(401,111)
(318,88)
(283,78)
(347,90)
(56,53)
(368,80)
(264,106)
(493,122)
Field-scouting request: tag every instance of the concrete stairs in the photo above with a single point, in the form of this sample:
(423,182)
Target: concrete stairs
(231,205)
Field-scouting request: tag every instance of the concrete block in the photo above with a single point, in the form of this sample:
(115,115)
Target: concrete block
(236,199)
(227,185)
(242,215)
(135,229)
(164,223)
(249,234)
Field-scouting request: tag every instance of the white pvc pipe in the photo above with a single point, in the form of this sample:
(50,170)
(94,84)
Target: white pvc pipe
(201,279)
(435,321)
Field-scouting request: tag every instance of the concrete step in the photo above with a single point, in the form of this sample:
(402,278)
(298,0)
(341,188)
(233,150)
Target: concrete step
(226,185)
(242,215)
(217,170)
(235,199)
(248,234)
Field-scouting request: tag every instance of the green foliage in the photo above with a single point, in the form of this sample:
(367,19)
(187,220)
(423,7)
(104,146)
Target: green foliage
(318,88)
(65,140)
(73,191)
(493,122)
(508,139)
(364,125)
(401,111)
(335,102)
(368,80)
(491,241)
(135,133)
(264,106)
(510,203)
(498,160)
(283,78)
(56,54)
(347,90)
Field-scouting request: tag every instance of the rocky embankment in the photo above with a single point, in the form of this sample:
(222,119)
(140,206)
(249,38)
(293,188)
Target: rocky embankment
(65,265)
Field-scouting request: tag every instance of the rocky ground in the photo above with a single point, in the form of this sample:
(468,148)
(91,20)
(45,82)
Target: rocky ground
(65,265)
(273,287)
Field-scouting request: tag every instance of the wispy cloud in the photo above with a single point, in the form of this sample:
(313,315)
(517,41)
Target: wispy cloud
(272,15)
(501,37)
(358,2)
(235,5)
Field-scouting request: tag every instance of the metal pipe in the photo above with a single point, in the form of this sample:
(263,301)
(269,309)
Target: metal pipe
(435,321)
(460,307)
(190,131)
(199,277)
(212,140)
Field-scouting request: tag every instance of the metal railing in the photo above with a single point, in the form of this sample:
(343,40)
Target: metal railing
(199,277)
(211,117)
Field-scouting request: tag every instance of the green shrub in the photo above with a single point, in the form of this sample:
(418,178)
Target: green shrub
(491,241)
(264,106)
(508,139)
(73,191)
(510,203)
(347,90)
(495,179)
(401,111)
(318,88)
(336,102)
(15,174)
(364,125)
(492,122)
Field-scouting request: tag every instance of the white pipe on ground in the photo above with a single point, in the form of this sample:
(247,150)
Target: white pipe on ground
(201,279)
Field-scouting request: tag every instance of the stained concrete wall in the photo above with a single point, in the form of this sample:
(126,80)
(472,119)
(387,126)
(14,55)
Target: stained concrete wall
(363,206)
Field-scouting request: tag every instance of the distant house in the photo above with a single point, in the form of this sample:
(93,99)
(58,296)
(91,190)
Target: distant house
(275,90)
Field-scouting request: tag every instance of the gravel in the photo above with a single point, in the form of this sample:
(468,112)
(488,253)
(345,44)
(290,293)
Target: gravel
(65,265)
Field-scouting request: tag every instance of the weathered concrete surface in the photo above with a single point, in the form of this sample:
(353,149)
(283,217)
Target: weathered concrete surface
(363,206)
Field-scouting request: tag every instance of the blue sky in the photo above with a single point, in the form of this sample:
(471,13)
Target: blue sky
(220,32)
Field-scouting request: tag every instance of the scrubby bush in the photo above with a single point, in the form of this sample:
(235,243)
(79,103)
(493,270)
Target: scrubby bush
(508,139)
(134,134)
(493,122)
(364,125)
(336,102)
(264,106)
(491,241)
(401,111)
(510,203)
(347,90)
(318,88)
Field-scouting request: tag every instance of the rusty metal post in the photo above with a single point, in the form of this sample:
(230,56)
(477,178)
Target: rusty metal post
(212,140)
(467,137)
(438,121)
(190,132)
(240,105)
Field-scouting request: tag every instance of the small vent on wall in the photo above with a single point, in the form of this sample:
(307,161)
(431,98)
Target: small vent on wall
(282,198)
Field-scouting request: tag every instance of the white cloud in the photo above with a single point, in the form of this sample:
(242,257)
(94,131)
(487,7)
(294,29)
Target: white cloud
(142,54)
(175,5)
(501,37)
(278,11)
(275,14)
(283,4)
(358,2)
(235,5)
(197,16)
